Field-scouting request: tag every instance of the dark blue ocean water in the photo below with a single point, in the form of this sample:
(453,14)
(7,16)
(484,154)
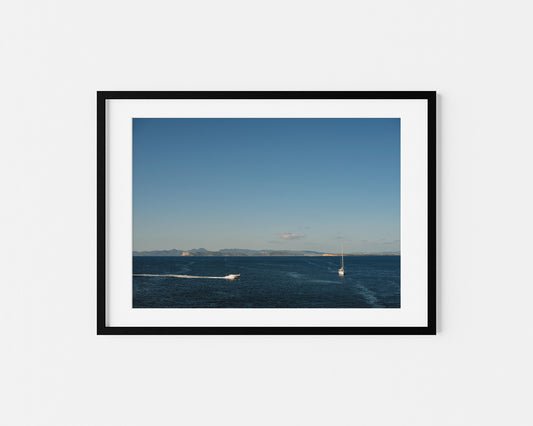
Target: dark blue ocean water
(267,282)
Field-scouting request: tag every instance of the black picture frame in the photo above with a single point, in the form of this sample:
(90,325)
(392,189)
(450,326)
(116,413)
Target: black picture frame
(429,96)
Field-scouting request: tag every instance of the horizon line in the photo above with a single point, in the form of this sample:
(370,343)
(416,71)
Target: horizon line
(393,252)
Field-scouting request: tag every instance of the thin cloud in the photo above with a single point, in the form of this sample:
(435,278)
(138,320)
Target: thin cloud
(290,236)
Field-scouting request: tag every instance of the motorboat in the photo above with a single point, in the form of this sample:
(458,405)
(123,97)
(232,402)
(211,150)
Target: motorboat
(232,276)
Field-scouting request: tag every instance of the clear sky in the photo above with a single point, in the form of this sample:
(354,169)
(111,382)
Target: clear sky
(267,183)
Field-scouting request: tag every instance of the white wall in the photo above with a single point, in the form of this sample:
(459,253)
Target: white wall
(56,54)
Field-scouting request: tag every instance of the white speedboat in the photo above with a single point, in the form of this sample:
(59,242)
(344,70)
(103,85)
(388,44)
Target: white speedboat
(232,276)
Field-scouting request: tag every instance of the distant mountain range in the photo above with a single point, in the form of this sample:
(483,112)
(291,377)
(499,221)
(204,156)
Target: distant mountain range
(246,252)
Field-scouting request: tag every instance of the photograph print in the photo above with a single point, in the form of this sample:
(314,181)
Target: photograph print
(266,213)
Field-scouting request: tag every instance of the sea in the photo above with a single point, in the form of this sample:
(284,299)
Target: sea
(266,282)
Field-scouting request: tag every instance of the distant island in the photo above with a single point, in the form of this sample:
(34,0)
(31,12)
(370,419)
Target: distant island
(246,252)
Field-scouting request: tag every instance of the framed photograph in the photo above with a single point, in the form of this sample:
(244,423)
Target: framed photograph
(266,213)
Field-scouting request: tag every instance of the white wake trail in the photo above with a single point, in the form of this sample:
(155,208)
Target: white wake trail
(181,276)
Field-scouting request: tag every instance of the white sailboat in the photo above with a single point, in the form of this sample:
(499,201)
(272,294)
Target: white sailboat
(341,271)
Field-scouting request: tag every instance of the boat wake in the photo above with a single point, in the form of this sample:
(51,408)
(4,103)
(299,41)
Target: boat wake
(227,277)
(369,296)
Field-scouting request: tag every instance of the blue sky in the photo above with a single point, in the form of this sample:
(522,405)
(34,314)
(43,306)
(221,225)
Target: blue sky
(267,183)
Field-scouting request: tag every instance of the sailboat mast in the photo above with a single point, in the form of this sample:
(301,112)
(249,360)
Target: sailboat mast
(341,271)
